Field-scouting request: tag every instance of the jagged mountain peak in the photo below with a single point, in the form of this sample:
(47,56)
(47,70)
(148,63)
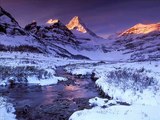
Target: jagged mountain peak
(76,23)
(32,27)
(53,30)
(141,29)
(33,23)
(77,19)
(56,23)
(53,21)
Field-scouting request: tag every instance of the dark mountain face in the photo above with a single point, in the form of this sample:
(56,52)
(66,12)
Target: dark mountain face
(8,25)
(3,13)
(56,32)
(53,35)
(15,38)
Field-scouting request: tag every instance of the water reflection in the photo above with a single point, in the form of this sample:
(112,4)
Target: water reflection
(35,95)
(49,94)
(71,88)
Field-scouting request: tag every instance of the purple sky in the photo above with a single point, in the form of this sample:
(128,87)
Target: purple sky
(101,16)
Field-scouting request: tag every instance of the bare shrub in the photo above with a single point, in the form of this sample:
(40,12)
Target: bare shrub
(128,78)
(20,73)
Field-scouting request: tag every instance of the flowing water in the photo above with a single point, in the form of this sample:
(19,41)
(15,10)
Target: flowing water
(53,102)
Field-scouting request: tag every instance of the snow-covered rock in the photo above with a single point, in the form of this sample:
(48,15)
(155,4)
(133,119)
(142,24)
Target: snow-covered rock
(6,110)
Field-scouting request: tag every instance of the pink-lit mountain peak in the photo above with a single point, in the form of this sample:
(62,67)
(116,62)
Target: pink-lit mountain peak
(76,23)
(141,29)
(53,21)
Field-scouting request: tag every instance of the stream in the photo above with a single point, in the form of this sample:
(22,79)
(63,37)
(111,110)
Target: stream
(52,102)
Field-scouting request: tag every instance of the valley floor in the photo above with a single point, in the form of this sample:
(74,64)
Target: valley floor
(132,87)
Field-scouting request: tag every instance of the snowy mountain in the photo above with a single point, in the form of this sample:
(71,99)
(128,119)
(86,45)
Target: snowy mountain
(76,24)
(141,42)
(55,32)
(141,29)
(54,35)
(15,38)
(33,38)
(34,58)
(75,40)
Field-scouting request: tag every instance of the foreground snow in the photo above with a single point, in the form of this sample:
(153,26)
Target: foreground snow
(6,110)
(134,83)
(119,112)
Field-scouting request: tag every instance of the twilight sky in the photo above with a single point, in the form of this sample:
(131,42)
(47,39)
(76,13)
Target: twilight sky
(103,17)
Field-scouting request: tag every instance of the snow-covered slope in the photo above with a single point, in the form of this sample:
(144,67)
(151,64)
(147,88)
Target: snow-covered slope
(15,38)
(140,41)
(54,36)
(55,33)
(58,37)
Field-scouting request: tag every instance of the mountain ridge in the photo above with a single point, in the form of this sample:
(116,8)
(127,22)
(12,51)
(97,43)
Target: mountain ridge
(32,38)
(138,42)
(142,29)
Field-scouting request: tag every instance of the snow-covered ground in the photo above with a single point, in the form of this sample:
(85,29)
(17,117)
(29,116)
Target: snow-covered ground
(96,53)
(6,110)
(31,62)
(135,83)
(118,112)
